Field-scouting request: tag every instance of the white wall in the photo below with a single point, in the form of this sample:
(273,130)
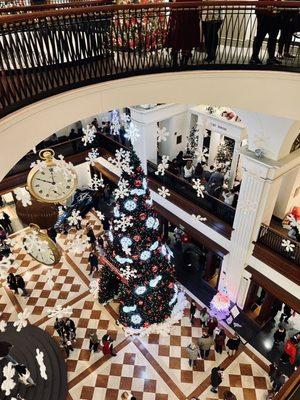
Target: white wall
(288,196)
(176,126)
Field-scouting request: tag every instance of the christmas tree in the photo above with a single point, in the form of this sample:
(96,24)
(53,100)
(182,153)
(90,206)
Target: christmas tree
(224,154)
(137,258)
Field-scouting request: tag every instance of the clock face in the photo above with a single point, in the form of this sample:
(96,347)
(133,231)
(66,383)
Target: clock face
(40,250)
(52,185)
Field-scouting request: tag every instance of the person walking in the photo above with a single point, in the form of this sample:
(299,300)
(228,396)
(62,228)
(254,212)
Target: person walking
(279,335)
(215,378)
(233,344)
(67,345)
(193,352)
(12,283)
(211,324)
(290,351)
(59,326)
(212,19)
(205,343)
(286,314)
(94,263)
(193,309)
(94,341)
(203,316)
(220,338)
(21,285)
(107,346)
(70,329)
(91,236)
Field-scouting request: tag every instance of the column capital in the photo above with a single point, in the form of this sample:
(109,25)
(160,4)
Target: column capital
(260,168)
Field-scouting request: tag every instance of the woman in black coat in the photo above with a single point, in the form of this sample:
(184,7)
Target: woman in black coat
(233,345)
(215,378)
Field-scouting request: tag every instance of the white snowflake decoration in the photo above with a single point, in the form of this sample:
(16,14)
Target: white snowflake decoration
(89,134)
(198,187)
(123,189)
(92,156)
(164,192)
(24,196)
(161,168)
(67,168)
(3,325)
(74,218)
(202,155)
(288,245)
(128,272)
(77,245)
(132,132)
(115,123)
(22,322)
(96,183)
(40,164)
(94,288)
(40,360)
(8,383)
(100,215)
(125,118)
(123,223)
(121,160)
(199,218)
(59,312)
(11,242)
(162,134)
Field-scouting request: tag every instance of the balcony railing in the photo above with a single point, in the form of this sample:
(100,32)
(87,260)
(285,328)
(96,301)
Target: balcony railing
(47,52)
(272,239)
(179,185)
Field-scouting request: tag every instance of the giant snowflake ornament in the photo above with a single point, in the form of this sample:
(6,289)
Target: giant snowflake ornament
(287,245)
(22,322)
(24,196)
(67,168)
(128,272)
(125,118)
(92,156)
(199,218)
(123,189)
(3,325)
(59,312)
(164,192)
(162,166)
(198,187)
(162,134)
(123,223)
(77,245)
(40,360)
(122,160)
(115,125)
(40,164)
(202,155)
(8,383)
(132,132)
(74,218)
(89,134)
(94,288)
(96,183)
(100,215)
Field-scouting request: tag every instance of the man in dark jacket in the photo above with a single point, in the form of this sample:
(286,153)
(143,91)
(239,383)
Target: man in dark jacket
(21,285)
(279,335)
(215,378)
(93,260)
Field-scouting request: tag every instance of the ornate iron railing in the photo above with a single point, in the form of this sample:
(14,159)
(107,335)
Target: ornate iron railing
(275,241)
(47,52)
(181,186)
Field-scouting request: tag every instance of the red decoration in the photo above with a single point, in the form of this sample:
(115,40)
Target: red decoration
(171,285)
(135,256)
(137,238)
(138,183)
(143,216)
(154,268)
(184,238)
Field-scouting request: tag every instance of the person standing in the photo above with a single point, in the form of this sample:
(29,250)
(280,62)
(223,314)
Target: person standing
(94,263)
(286,314)
(273,368)
(279,335)
(12,283)
(287,28)
(188,170)
(91,236)
(107,346)
(290,351)
(233,344)
(205,343)
(279,381)
(59,327)
(211,324)
(193,352)
(70,329)
(212,19)
(215,378)
(203,316)
(220,338)
(193,309)
(94,341)
(21,285)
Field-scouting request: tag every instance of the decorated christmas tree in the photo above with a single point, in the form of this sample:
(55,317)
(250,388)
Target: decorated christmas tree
(224,154)
(137,259)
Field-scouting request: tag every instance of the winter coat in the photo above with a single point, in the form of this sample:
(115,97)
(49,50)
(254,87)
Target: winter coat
(233,343)
(192,353)
(94,338)
(93,260)
(205,343)
(215,377)
(20,282)
(220,340)
(203,317)
(291,350)
(279,336)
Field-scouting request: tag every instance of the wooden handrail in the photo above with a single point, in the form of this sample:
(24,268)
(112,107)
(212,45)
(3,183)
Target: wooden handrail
(123,7)
(277,233)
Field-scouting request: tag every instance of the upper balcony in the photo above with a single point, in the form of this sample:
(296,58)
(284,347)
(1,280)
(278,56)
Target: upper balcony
(50,49)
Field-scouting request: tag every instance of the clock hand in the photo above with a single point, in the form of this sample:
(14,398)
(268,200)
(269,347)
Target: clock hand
(43,180)
(52,176)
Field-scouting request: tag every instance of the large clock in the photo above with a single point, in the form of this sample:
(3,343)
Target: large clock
(50,181)
(40,247)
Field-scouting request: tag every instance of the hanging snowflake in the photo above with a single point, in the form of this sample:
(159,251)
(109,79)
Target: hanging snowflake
(162,134)
(40,164)
(89,134)
(40,360)
(96,183)
(67,168)
(202,155)
(128,272)
(92,156)
(199,218)
(123,223)
(100,215)
(125,118)
(94,288)
(22,322)
(60,312)
(132,133)
(121,160)
(198,187)
(115,123)
(77,245)
(8,383)
(123,189)
(288,245)
(164,192)
(75,218)
(24,196)
(162,166)
(3,325)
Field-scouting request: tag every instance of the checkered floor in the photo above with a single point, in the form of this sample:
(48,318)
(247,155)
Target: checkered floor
(152,368)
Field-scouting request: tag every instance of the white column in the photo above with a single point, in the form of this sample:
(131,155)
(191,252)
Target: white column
(234,162)
(146,145)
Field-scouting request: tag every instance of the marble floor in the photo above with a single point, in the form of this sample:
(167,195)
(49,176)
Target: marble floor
(152,368)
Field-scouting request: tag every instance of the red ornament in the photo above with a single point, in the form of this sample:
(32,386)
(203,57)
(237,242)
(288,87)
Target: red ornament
(146,324)
(139,169)
(141,302)
(136,238)
(135,256)
(171,285)
(154,268)
(143,216)
(184,238)
(138,183)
